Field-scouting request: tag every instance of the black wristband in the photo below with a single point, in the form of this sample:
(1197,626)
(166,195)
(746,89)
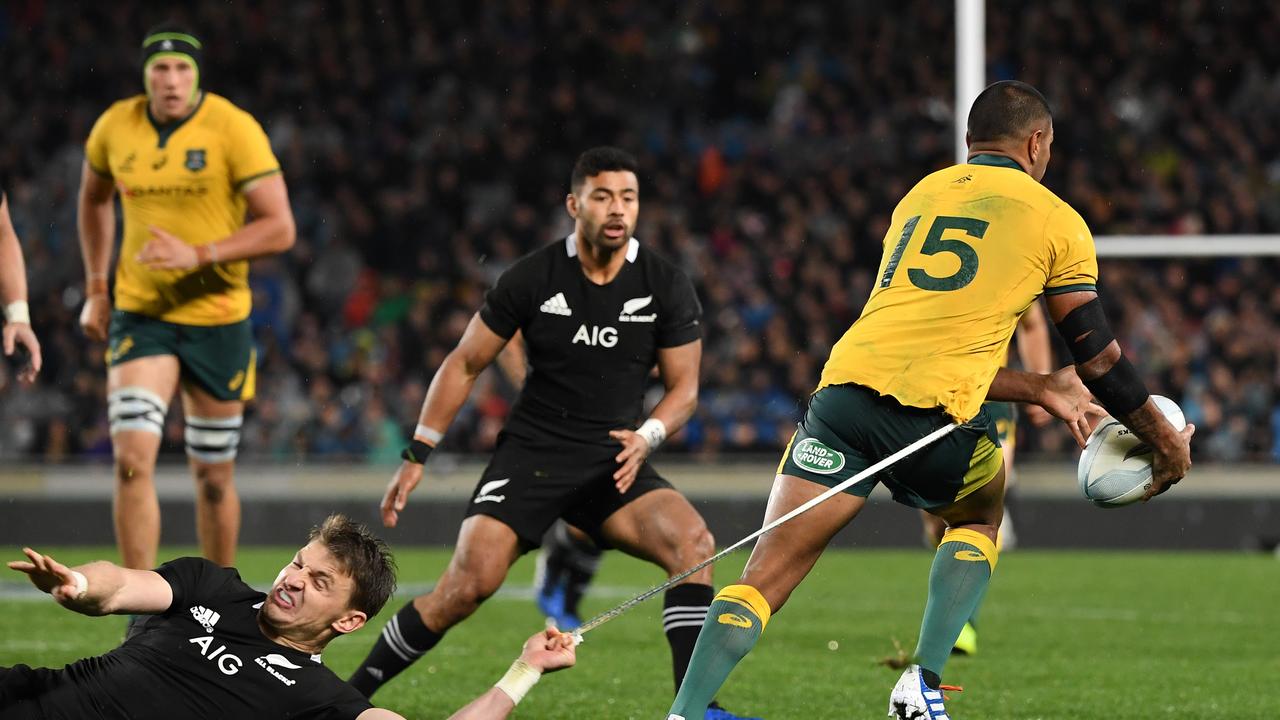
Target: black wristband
(417,452)
(1119,389)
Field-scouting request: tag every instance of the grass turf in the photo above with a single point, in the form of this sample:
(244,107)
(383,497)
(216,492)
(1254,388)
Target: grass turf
(1062,635)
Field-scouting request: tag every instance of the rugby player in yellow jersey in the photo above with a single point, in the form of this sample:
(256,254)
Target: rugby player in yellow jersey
(188,165)
(969,249)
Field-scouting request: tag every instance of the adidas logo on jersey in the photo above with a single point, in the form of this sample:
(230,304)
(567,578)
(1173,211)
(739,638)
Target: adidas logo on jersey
(556,305)
(206,617)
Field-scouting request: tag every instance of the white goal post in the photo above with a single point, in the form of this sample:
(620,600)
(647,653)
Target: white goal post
(971,54)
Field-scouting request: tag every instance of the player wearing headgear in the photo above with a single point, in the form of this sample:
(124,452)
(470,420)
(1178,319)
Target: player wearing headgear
(13,295)
(213,648)
(596,311)
(969,248)
(188,165)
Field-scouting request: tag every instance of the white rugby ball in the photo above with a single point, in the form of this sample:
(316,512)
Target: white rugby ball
(1115,467)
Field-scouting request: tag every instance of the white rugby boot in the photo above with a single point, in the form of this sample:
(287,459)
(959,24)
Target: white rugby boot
(913,700)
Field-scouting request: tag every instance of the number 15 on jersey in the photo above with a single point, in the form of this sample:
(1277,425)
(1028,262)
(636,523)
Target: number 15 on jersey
(934,243)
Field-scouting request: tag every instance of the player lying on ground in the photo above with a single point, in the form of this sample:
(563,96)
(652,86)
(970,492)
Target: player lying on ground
(213,647)
(597,311)
(969,249)
(13,295)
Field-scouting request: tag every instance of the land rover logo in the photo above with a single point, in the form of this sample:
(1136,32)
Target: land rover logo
(815,457)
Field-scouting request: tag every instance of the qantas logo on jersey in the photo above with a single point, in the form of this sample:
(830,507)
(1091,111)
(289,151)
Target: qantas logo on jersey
(274,660)
(206,617)
(486,492)
(556,305)
(596,336)
(631,306)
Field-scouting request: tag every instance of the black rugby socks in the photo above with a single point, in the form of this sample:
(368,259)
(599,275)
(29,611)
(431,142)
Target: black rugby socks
(404,639)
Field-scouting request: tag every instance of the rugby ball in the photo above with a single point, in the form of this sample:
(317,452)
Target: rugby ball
(1115,467)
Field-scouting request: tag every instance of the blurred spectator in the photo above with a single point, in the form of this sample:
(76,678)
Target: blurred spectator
(427,149)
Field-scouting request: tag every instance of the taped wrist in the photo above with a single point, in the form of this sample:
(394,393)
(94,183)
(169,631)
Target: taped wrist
(519,680)
(1086,331)
(1119,389)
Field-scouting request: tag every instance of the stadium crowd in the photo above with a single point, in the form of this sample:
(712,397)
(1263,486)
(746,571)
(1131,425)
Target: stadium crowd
(426,150)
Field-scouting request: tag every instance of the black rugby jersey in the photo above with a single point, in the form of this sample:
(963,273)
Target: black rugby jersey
(204,658)
(590,347)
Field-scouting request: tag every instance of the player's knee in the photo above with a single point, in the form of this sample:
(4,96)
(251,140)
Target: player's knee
(466,593)
(694,545)
(213,481)
(213,440)
(133,464)
(135,408)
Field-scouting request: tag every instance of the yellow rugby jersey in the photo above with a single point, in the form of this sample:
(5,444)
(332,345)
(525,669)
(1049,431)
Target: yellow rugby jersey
(186,178)
(969,249)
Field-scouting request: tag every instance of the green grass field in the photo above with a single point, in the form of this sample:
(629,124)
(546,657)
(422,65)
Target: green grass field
(1064,635)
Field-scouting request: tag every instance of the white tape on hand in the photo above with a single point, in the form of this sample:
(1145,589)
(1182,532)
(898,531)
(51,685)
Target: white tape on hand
(519,680)
(82,584)
(654,431)
(17,312)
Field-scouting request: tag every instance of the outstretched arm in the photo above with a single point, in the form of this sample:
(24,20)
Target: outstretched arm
(547,651)
(99,588)
(448,391)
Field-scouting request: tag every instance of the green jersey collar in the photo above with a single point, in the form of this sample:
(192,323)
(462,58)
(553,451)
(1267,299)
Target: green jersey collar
(995,161)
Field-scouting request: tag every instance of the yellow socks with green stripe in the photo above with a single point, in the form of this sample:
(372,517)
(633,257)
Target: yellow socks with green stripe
(959,578)
(734,622)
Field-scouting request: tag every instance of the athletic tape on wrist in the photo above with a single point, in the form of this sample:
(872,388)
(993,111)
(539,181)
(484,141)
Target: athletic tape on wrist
(17,312)
(428,434)
(654,431)
(417,452)
(82,584)
(519,680)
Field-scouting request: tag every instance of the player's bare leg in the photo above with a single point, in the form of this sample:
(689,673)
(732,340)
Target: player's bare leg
(662,527)
(780,560)
(138,392)
(212,434)
(485,550)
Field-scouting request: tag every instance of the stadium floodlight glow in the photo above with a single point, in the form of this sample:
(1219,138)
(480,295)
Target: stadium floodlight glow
(608,615)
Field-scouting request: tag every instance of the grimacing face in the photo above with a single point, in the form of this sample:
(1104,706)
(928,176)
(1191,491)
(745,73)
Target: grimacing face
(312,594)
(606,208)
(170,82)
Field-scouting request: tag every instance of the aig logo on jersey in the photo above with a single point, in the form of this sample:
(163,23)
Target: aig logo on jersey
(596,336)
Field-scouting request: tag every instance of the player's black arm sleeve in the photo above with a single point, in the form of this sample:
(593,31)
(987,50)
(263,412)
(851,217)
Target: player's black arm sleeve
(1102,367)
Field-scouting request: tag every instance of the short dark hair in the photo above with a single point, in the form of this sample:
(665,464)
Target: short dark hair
(601,159)
(363,556)
(1006,110)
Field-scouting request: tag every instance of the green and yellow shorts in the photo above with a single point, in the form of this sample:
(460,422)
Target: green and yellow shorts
(220,359)
(849,428)
(1005,416)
